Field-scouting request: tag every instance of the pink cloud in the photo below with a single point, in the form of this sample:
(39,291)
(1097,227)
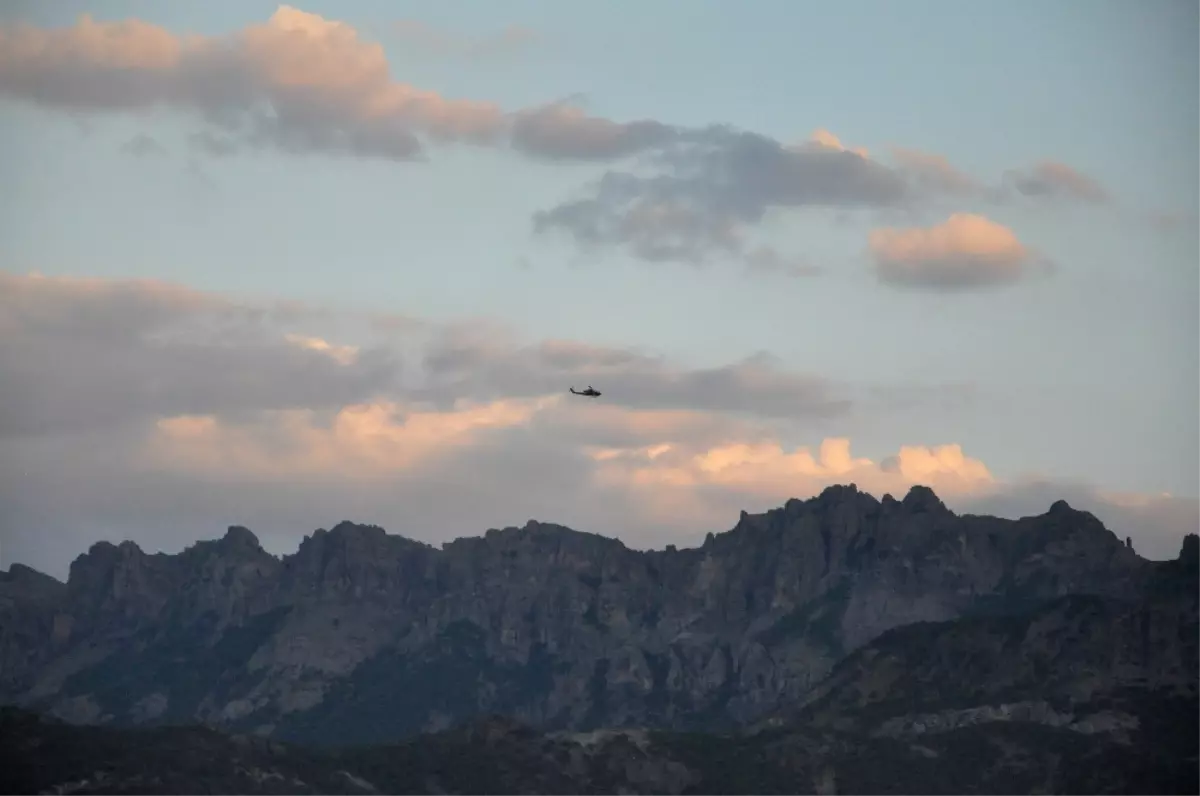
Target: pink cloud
(137,407)
(965,251)
(298,81)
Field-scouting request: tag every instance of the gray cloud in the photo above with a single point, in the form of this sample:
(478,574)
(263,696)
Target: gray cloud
(81,354)
(711,182)
(1049,180)
(560,131)
(950,273)
(84,354)
(754,386)
(702,188)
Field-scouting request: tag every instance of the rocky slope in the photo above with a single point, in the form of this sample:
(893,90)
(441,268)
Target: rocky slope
(1079,661)
(365,637)
(495,755)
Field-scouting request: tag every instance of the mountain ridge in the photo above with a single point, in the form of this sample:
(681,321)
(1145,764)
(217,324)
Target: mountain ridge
(919,497)
(361,635)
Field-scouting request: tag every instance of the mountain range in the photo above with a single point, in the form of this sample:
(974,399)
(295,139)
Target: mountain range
(1040,653)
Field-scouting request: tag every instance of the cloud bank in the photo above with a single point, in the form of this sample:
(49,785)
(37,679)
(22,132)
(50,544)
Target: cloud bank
(299,82)
(154,412)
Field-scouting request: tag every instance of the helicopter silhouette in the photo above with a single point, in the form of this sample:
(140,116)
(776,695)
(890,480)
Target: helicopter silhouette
(589,392)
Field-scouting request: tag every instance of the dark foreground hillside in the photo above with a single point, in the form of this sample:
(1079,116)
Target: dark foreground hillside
(500,756)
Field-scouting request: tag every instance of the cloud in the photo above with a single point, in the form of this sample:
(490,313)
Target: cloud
(822,139)
(677,474)
(966,251)
(561,131)
(360,441)
(80,354)
(487,366)
(648,477)
(767,470)
(297,82)
(154,412)
(83,354)
(343,354)
(709,184)
(1050,180)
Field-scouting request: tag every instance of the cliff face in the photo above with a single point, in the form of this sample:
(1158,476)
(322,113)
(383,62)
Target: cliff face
(1073,661)
(364,636)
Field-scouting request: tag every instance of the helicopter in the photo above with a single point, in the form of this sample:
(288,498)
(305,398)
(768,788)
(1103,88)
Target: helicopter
(589,392)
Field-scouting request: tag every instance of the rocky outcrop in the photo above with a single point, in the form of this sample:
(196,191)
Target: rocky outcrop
(31,625)
(1093,664)
(361,635)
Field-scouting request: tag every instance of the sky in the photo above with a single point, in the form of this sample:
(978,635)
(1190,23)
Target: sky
(281,266)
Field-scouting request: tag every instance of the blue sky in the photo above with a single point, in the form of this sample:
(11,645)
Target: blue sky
(1087,374)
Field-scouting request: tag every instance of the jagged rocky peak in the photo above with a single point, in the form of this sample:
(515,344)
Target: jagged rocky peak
(102,557)
(239,547)
(240,537)
(839,509)
(1189,552)
(552,529)
(547,533)
(1064,511)
(348,538)
(830,496)
(1061,519)
(922,499)
(538,541)
(841,493)
(350,559)
(353,530)
(121,582)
